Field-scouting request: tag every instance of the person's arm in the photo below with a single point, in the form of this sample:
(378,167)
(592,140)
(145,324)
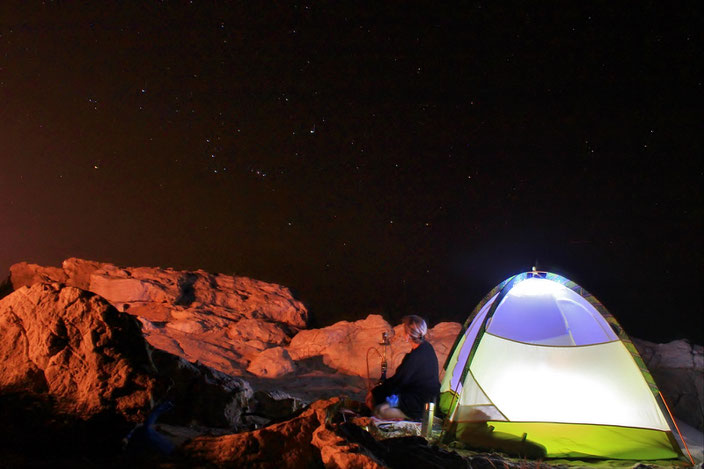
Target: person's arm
(392,384)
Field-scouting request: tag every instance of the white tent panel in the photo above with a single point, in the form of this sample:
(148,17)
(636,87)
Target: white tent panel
(474,406)
(477,413)
(597,384)
(472,393)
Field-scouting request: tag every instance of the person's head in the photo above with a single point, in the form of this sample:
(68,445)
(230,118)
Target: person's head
(415,328)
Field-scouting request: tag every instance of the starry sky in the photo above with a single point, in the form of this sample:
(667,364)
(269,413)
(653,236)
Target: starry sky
(373,157)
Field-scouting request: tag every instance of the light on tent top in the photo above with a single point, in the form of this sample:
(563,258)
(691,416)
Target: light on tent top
(538,287)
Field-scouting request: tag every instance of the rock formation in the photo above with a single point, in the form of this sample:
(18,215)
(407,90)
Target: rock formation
(349,346)
(678,370)
(237,325)
(272,363)
(221,321)
(78,349)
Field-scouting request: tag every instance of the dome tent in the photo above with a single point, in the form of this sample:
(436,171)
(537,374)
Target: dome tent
(541,368)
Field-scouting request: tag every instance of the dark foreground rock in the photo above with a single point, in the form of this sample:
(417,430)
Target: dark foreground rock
(201,395)
(307,440)
(34,435)
(320,437)
(678,369)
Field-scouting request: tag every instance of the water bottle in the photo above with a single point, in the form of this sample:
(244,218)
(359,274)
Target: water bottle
(426,427)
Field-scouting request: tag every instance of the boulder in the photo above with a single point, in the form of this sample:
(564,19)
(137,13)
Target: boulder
(201,395)
(275,405)
(344,346)
(219,320)
(678,370)
(24,274)
(443,337)
(77,348)
(272,363)
(350,347)
(79,271)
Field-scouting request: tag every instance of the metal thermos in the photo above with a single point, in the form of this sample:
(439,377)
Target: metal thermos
(426,427)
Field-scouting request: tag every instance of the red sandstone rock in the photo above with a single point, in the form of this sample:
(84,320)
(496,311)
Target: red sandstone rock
(219,320)
(24,274)
(272,363)
(76,347)
(345,346)
(237,297)
(230,324)
(255,329)
(443,337)
(79,271)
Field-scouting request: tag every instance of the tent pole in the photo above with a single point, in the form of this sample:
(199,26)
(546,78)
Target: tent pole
(691,459)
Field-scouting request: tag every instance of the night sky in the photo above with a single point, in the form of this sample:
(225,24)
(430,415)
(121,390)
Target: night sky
(374,157)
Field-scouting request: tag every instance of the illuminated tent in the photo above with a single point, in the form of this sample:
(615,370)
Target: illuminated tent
(541,364)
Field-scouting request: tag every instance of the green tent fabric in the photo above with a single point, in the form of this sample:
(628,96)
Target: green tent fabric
(542,369)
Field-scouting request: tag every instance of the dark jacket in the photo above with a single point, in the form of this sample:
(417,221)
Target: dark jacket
(415,381)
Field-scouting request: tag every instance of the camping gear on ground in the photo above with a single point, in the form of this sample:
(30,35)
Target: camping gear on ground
(541,369)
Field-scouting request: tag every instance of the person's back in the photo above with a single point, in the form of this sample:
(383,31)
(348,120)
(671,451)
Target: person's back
(422,384)
(416,379)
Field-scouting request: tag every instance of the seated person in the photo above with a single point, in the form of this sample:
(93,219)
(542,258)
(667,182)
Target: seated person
(403,396)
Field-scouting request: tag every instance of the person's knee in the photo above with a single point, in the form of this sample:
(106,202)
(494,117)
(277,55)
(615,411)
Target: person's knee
(385,411)
(380,410)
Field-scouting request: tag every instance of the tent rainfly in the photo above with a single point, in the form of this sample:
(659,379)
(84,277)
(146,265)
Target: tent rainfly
(542,369)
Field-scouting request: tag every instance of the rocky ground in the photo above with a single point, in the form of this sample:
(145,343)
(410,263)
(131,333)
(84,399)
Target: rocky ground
(88,351)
